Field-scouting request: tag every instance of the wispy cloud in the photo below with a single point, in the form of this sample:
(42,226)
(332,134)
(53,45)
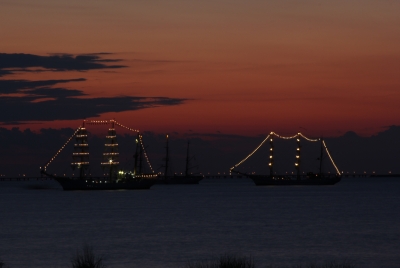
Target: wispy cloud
(56,62)
(16,86)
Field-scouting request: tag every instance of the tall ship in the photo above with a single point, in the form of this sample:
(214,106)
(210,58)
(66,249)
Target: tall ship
(186,178)
(116,179)
(310,178)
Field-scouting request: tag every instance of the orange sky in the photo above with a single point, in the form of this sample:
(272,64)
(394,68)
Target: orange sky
(244,67)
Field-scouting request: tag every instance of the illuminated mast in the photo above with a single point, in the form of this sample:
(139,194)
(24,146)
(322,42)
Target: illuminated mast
(81,151)
(138,156)
(271,158)
(141,155)
(111,154)
(297,164)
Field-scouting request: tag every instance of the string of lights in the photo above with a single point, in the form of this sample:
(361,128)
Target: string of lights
(148,161)
(301,134)
(110,163)
(247,157)
(105,122)
(80,163)
(128,128)
(293,137)
(330,157)
(283,137)
(145,154)
(98,122)
(298,135)
(59,151)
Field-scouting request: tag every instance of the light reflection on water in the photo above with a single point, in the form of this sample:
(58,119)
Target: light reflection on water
(169,225)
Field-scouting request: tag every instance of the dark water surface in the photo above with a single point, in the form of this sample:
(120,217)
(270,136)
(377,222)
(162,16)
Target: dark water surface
(170,225)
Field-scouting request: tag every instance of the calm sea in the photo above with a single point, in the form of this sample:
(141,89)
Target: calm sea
(168,226)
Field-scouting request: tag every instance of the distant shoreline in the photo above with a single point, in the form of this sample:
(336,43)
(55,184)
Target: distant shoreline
(385,175)
(219,176)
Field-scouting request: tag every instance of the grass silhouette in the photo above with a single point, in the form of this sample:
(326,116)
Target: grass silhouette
(86,258)
(235,261)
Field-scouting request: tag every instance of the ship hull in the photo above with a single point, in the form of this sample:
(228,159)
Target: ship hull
(260,180)
(69,184)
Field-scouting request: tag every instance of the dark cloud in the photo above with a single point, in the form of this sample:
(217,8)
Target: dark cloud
(45,100)
(4,72)
(58,62)
(60,93)
(14,123)
(65,108)
(15,86)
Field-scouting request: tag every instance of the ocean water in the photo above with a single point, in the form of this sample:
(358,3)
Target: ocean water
(170,225)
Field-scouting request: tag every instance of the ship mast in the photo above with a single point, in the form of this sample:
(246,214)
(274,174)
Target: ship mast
(136,154)
(320,158)
(140,155)
(187,160)
(297,164)
(271,158)
(111,154)
(166,159)
(81,151)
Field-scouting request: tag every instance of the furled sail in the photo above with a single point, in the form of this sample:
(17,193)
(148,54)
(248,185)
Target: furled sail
(111,155)
(81,151)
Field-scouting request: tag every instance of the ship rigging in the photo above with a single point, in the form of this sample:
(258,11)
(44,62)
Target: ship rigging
(309,179)
(115,179)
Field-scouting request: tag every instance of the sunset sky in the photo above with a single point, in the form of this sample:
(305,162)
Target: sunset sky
(234,67)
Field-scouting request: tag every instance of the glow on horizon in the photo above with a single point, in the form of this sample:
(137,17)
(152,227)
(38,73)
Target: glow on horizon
(243,68)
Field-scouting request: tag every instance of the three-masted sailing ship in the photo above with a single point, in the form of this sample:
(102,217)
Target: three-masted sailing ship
(310,178)
(116,179)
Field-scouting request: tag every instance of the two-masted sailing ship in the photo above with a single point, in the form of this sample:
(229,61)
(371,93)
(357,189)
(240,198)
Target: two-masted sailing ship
(309,178)
(116,180)
(186,178)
